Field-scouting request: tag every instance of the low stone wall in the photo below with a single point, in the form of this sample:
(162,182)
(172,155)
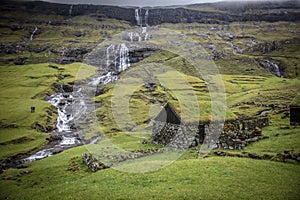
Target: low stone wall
(235,134)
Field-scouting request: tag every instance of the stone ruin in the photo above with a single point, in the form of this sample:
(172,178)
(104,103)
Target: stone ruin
(169,131)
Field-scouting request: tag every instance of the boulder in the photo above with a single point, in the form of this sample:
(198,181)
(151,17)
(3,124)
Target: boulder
(92,163)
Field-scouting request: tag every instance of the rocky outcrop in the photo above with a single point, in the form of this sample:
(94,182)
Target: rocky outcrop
(92,163)
(140,54)
(222,14)
(271,67)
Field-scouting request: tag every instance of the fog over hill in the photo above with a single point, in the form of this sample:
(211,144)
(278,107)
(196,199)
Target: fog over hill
(146,2)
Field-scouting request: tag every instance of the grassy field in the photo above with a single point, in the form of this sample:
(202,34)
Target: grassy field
(208,178)
(25,86)
(189,177)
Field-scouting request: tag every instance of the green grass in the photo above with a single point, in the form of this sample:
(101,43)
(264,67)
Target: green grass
(209,178)
(283,137)
(25,86)
(20,141)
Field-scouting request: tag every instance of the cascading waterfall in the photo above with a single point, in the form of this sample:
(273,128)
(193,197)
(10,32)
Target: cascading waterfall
(119,56)
(117,60)
(138,18)
(146,17)
(33,32)
(70,10)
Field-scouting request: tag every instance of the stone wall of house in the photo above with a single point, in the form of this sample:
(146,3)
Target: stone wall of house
(235,134)
(174,135)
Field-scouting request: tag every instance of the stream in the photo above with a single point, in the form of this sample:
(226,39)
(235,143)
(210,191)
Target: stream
(73,107)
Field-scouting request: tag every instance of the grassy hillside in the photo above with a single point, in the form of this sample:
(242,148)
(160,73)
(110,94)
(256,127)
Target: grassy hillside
(259,171)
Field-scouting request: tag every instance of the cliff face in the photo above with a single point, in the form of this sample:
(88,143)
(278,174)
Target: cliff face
(271,12)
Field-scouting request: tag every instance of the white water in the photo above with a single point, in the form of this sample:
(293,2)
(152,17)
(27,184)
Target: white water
(146,17)
(140,35)
(117,60)
(118,57)
(32,34)
(63,102)
(138,18)
(70,10)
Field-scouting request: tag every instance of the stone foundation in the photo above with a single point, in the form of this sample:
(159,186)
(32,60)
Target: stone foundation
(235,134)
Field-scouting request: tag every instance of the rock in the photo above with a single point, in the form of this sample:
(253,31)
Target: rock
(163,15)
(254,156)
(78,34)
(267,46)
(92,164)
(16,27)
(67,88)
(271,67)
(54,138)
(20,61)
(140,54)
(38,49)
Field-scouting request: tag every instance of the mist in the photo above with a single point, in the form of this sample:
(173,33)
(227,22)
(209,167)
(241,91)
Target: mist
(139,2)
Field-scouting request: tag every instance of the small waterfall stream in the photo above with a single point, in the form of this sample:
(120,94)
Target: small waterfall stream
(33,32)
(117,60)
(70,10)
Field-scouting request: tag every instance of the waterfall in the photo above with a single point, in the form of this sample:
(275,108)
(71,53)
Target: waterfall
(70,10)
(130,36)
(139,35)
(33,32)
(119,56)
(117,60)
(146,17)
(138,18)
(124,58)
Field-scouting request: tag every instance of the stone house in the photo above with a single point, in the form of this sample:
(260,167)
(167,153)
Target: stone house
(169,130)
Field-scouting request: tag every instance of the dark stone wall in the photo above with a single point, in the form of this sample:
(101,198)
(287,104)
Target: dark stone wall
(294,115)
(235,134)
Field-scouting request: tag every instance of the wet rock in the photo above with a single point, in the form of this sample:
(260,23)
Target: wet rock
(55,138)
(57,150)
(271,67)
(67,88)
